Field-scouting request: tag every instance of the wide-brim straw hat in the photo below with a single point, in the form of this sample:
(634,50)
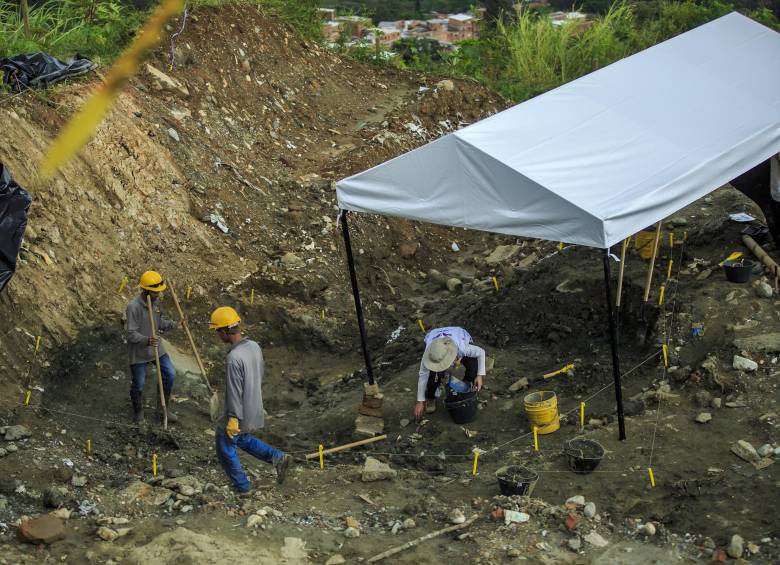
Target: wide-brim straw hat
(440,354)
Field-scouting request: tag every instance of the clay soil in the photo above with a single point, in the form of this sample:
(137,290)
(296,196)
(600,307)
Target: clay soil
(138,199)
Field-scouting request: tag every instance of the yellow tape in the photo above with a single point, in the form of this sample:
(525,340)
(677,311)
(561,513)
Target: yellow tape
(582,415)
(669,269)
(252,297)
(122,284)
(495,283)
(37,344)
(661,296)
(27,398)
(322,460)
(536,438)
(154,464)
(476,459)
(666,355)
(419,322)
(652,478)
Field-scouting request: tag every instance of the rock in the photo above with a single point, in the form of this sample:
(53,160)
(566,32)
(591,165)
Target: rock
(161,81)
(375,470)
(368,426)
(335,560)
(744,364)
(703,398)
(678,221)
(254,521)
(61,513)
(407,250)
(3,452)
(736,546)
(703,418)
(409,523)
(753,548)
(513,517)
(647,529)
(78,480)
(578,500)
(456,516)
(527,262)
(590,510)
(14,433)
(173,134)
(716,403)
(519,384)
(351,533)
(292,261)
(454,284)
(514,553)
(446,84)
(595,539)
(52,498)
(11,448)
(776,451)
(107,534)
(571,522)
(184,484)
(705,274)
(575,544)
(765,343)
(765,450)
(745,450)
(502,253)
(352,523)
(763,289)
(43,530)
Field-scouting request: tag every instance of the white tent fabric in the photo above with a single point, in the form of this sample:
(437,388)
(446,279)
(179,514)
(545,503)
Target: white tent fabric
(604,156)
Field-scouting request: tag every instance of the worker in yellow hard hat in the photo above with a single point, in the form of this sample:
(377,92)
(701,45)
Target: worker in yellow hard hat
(141,344)
(243,403)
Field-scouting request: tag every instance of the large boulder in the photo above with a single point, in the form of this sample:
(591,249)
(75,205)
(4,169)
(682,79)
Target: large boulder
(43,530)
(375,470)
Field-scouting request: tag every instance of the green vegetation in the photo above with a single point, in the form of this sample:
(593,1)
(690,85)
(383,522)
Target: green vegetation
(391,10)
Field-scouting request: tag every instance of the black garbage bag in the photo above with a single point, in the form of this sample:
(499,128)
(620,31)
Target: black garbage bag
(41,70)
(14,203)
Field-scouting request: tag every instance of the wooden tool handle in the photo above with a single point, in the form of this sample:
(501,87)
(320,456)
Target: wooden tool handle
(347,446)
(189,336)
(157,362)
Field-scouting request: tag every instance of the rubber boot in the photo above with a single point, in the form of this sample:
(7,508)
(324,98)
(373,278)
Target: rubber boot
(172,418)
(137,399)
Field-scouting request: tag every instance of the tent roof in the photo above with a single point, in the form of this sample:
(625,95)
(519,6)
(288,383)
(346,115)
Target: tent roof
(601,157)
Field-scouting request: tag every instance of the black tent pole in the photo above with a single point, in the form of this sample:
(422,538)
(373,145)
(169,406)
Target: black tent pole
(356,296)
(613,338)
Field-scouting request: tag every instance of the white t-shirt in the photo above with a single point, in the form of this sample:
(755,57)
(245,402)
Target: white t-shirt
(774,177)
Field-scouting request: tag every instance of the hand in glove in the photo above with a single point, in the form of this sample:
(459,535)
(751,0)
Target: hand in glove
(232,429)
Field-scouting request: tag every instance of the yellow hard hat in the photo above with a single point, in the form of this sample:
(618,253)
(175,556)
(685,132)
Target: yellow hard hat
(152,281)
(224,317)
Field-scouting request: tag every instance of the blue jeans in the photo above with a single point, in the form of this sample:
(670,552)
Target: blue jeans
(138,373)
(228,456)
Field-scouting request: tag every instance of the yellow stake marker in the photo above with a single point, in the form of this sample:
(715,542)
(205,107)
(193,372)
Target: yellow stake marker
(154,464)
(89,446)
(582,415)
(536,438)
(122,284)
(37,344)
(560,246)
(419,322)
(661,297)
(652,478)
(495,283)
(685,236)
(189,292)
(27,398)
(252,297)
(322,314)
(476,458)
(669,269)
(322,461)
(671,239)
(666,355)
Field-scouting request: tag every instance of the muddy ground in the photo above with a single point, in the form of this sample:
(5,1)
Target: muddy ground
(547,312)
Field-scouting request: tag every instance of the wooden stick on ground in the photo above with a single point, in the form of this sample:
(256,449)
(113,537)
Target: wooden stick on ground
(622,269)
(157,361)
(347,446)
(757,250)
(652,261)
(426,537)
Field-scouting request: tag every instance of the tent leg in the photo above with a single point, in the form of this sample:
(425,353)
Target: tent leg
(614,344)
(622,271)
(649,282)
(356,296)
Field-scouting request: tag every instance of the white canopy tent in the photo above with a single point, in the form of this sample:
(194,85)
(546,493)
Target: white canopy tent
(597,159)
(601,157)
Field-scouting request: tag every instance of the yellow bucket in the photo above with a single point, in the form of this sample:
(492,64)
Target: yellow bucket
(542,410)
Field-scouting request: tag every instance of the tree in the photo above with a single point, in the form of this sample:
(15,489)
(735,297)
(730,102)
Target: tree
(497,9)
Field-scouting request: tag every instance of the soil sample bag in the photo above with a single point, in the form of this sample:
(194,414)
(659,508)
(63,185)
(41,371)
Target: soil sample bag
(14,203)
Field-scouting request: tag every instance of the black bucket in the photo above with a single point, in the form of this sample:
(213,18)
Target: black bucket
(584,455)
(738,271)
(516,480)
(462,406)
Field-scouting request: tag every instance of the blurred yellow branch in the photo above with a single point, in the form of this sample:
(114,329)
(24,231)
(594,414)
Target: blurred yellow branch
(78,131)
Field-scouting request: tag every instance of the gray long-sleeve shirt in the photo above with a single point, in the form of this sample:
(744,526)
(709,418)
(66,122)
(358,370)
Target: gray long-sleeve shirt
(139,331)
(243,386)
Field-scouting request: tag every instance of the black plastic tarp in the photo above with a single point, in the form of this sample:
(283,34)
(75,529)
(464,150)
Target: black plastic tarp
(36,70)
(14,203)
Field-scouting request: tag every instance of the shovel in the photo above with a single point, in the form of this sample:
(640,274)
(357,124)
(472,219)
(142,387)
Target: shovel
(157,361)
(214,400)
(563,371)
